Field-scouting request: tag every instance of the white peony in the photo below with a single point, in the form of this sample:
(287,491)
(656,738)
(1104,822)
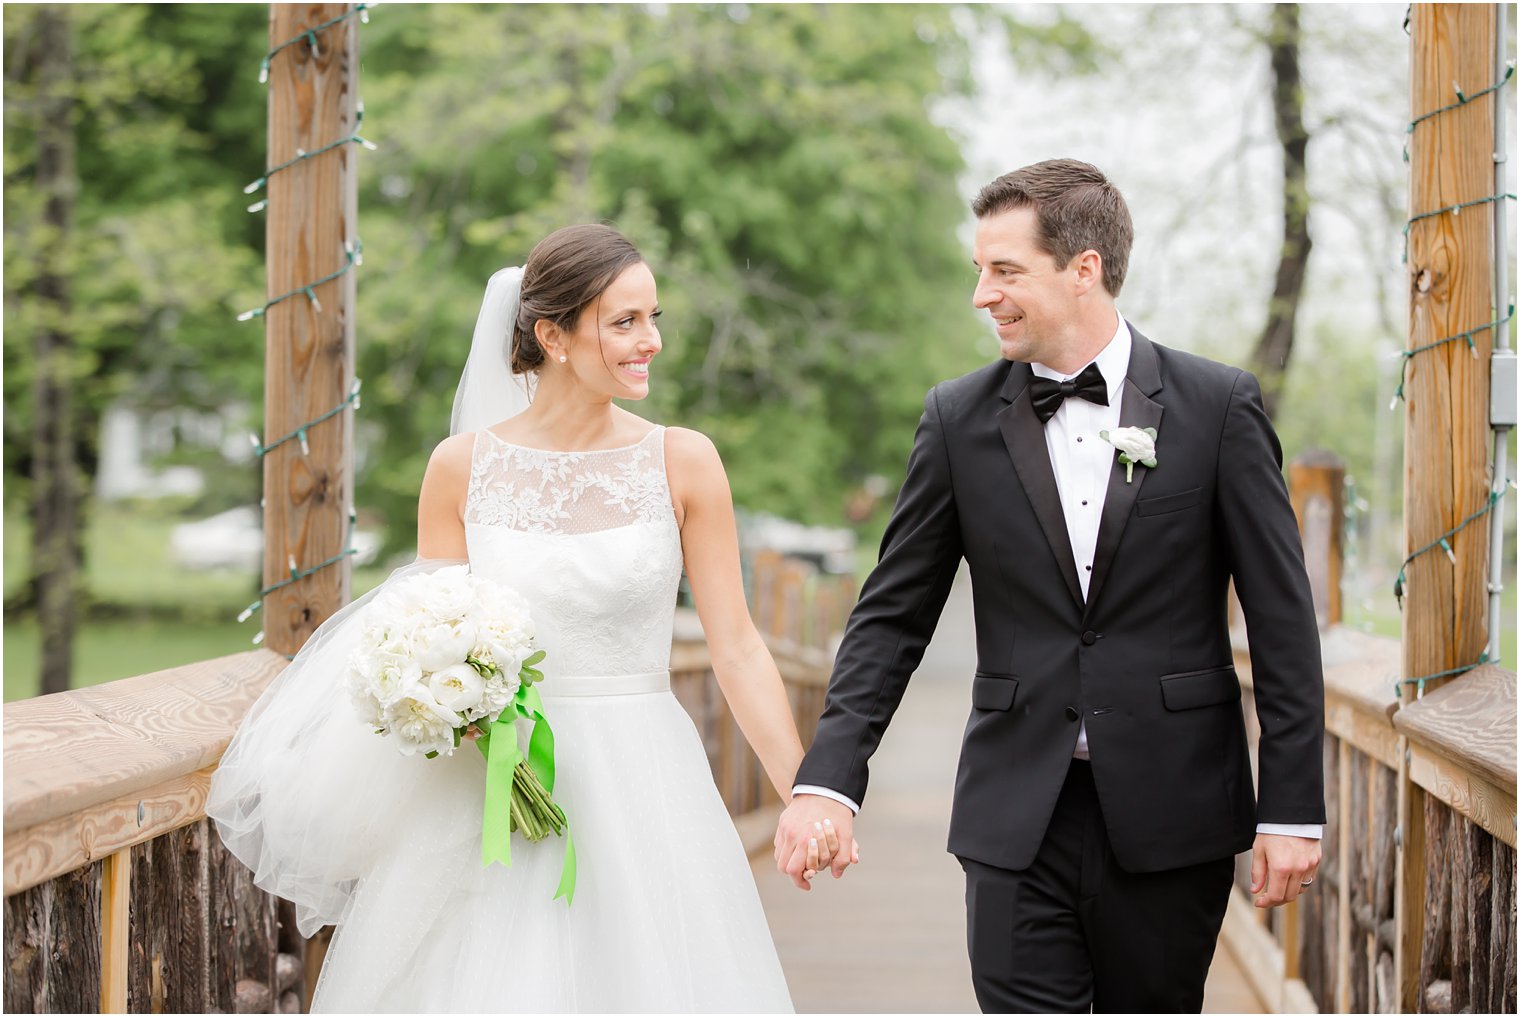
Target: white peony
(414,676)
(443,643)
(420,723)
(389,674)
(450,593)
(369,709)
(458,687)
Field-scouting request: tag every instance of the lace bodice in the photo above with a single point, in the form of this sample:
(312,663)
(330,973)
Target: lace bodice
(590,539)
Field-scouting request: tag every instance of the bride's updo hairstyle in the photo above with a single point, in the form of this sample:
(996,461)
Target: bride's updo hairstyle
(566,271)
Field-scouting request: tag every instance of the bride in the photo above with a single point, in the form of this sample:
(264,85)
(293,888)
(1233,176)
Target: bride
(590,513)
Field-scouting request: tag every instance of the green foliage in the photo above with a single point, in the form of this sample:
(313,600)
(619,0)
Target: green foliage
(159,258)
(777,164)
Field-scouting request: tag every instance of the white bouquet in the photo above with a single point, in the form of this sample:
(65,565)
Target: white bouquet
(446,651)
(439,652)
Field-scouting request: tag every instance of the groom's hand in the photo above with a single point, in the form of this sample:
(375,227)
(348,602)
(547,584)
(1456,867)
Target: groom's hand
(1280,866)
(814,832)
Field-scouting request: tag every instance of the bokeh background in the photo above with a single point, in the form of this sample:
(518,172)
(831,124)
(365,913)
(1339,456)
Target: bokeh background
(798,176)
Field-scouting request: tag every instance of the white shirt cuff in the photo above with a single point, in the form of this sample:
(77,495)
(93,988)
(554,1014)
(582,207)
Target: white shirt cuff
(1314,831)
(811,789)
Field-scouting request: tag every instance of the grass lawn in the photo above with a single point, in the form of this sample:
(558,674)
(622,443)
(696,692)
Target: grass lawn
(105,651)
(151,614)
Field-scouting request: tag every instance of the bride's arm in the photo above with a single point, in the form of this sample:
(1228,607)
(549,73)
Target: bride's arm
(440,505)
(710,544)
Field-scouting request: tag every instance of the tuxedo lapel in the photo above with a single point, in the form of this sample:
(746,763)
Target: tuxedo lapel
(1136,409)
(1025,437)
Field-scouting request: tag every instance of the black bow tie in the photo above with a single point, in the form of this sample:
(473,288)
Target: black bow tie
(1048,394)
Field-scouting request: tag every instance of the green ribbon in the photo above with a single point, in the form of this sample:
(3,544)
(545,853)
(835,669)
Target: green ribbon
(496,827)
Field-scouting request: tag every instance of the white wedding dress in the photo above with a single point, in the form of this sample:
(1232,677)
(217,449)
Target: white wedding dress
(665,916)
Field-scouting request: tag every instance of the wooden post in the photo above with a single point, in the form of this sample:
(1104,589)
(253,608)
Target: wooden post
(1447,388)
(765,574)
(1409,891)
(1317,483)
(1343,877)
(309,344)
(115,898)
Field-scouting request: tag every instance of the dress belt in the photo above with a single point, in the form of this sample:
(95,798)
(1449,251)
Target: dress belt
(571,686)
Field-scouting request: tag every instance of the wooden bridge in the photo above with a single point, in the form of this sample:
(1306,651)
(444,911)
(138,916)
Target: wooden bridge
(120,897)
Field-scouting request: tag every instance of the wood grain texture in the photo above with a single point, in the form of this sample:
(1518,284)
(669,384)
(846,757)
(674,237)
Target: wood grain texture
(40,853)
(1446,389)
(1470,722)
(1435,955)
(1501,944)
(309,348)
(1410,892)
(115,894)
(167,968)
(69,751)
(244,934)
(52,945)
(1473,797)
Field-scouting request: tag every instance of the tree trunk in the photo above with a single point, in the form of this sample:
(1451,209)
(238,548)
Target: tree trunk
(56,517)
(1270,360)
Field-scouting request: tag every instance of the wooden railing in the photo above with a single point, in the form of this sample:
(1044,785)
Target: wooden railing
(119,896)
(1413,909)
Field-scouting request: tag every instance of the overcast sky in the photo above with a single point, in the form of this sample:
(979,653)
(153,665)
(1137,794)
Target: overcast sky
(1181,120)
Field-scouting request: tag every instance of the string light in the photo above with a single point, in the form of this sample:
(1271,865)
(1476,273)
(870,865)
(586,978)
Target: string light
(302,155)
(1419,683)
(297,574)
(1410,354)
(1444,542)
(310,37)
(1463,99)
(353,257)
(299,434)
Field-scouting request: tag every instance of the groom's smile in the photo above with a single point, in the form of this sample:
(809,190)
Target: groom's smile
(1043,312)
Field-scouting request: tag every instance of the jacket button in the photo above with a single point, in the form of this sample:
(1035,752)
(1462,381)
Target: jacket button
(1071,713)
(1089,637)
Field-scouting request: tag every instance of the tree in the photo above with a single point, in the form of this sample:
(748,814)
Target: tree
(1269,360)
(119,279)
(778,166)
(46,69)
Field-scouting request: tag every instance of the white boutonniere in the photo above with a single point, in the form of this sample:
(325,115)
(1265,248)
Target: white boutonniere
(1135,445)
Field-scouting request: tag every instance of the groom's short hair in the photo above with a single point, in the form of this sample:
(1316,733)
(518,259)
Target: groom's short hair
(1078,210)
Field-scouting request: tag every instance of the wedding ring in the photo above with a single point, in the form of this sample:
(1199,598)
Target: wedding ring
(1306,882)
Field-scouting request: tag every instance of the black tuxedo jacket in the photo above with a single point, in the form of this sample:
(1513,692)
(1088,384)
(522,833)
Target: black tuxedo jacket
(1145,660)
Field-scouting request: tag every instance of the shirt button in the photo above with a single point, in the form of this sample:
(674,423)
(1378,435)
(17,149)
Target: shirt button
(1071,713)
(1084,501)
(1089,637)
(1088,567)
(1079,438)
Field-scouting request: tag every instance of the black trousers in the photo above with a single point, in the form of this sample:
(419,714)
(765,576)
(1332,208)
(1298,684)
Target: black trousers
(1074,932)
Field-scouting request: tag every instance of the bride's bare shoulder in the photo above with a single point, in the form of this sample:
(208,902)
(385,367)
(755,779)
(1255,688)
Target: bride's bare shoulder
(694,471)
(448,469)
(691,450)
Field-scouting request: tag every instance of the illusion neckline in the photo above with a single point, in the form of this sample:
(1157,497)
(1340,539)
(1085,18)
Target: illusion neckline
(564,452)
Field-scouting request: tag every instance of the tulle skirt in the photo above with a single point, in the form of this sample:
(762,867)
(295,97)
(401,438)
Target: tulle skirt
(665,918)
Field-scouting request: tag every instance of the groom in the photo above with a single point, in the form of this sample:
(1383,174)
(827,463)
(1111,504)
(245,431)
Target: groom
(1103,490)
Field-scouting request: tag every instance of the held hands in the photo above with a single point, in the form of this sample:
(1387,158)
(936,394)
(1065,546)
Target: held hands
(1282,868)
(809,836)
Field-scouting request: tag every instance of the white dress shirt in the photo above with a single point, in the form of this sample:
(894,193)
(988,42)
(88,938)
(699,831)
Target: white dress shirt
(1082,462)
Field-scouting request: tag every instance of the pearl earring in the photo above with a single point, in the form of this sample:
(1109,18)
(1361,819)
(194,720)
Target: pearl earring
(562,358)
